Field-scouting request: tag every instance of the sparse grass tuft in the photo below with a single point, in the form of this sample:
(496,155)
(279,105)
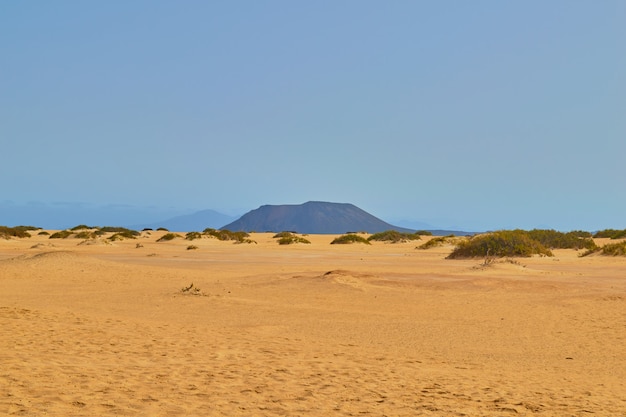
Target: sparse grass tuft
(162,229)
(290,240)
(349,239)
(192,247)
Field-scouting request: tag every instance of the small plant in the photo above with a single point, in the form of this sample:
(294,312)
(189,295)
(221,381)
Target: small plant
(290,240)
(85,234)
(191,290)
(193,235)
(62,234)
(192,247)
(349,239)
(43,233)
(440,241)
(225,234)
(162,229)
(81,227)
(394,236)
(127,233)
(283,234)
(168,236)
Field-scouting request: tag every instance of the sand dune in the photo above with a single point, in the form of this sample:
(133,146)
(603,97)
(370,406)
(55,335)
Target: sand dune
(315,329)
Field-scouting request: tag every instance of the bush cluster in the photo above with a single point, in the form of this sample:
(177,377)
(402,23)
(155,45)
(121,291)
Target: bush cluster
(289,238)
(559,240)
(17,231)
(611,233)
(611,249)
(440,241)
(350,238)
(168,236)
(393,236)
(500,244)
(225,234)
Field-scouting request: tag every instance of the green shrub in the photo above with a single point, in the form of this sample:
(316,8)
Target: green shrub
(225,234)
(193,235)
(289,240)
(85,234)
(440,241)
(168,236)
(611,233)
(125,234)
(612,249)
(283,234)
(350,238)
(62,234)
(81,227)
(7,232)
(500,244)
(559,240)
(162,229)
(394,236)
(43,233)
(423,233)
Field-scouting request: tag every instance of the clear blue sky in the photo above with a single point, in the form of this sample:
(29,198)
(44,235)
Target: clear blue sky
(469,114)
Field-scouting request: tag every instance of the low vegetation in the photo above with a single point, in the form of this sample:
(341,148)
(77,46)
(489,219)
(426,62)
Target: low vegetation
(193,236)
(440,241)
(349,239)
(124,234)
(611,249)
(225,235)
(167,237)
(18,231)
(288,238)
(61,234)
(393,236)
(559,240)
(503,243)
(611,233)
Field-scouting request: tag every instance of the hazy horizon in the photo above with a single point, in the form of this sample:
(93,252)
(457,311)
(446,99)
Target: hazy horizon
(469,116)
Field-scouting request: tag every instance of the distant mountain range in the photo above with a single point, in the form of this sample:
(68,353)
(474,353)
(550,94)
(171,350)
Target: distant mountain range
(314,217)
(197,221)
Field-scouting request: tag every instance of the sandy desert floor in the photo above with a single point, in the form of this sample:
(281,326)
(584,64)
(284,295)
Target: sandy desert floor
(319,329)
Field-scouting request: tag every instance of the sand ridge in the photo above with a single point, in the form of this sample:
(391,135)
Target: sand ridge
(312,329)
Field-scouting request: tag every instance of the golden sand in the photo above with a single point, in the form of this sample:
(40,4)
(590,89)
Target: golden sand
(343,330)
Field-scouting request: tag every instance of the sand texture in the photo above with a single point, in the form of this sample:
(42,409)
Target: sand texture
(98,329)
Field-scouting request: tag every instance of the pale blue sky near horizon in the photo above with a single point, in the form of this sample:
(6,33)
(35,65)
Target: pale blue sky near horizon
(469,115)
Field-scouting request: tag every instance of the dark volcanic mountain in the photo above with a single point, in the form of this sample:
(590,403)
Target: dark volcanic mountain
(314,217)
